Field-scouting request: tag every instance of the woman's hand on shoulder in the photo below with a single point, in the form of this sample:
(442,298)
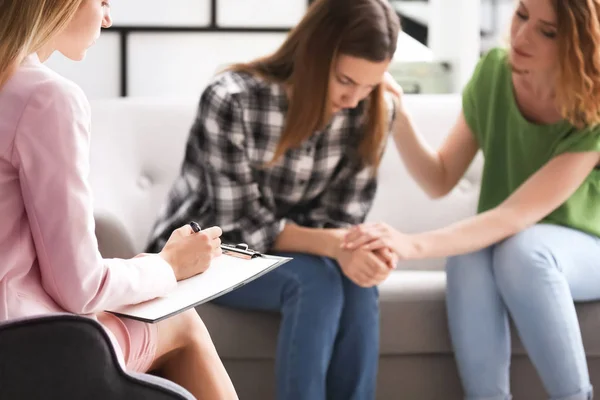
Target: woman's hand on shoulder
(391,86)
(191,253)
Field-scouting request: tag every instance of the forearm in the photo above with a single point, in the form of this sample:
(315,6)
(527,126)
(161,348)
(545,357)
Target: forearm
(422,162)
(468,236)
(299,239)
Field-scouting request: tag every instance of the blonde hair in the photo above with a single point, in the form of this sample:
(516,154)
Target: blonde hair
(26,26)
(366,29)
(578,38)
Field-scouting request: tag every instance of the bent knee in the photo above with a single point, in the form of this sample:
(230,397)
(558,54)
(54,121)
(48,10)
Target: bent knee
(314,282)
(185,329)
(314,273)
(178,333)
(362,303)
(470,268)
(524,258)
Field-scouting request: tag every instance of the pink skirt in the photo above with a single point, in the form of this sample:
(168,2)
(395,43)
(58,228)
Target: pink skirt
(137,341)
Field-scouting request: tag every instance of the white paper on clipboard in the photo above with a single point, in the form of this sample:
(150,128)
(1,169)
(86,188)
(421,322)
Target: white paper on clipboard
(226,273)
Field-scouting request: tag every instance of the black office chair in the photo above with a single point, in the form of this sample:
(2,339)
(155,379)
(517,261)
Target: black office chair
(65,356)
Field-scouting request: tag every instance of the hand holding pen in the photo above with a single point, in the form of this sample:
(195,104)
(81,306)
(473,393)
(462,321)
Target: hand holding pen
(190,253)
(240,250)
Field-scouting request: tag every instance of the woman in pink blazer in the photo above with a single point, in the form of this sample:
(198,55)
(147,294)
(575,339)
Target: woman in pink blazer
(48,250)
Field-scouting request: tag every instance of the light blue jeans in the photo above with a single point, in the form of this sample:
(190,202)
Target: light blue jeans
(534,277)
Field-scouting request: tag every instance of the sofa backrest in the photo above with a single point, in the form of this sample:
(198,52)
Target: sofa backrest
(138,145)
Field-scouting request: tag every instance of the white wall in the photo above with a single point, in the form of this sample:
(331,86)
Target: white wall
(503,16)
(180,64)
(176,64)
(454,28)
(158,12)
(99,73)
(454,36)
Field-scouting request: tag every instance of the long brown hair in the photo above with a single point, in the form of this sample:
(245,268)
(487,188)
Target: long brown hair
(26,26)
(578,86)
(366,29)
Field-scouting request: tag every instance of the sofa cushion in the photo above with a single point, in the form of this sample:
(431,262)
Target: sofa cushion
(413,321)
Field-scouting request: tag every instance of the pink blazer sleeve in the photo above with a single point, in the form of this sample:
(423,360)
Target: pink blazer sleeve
(51,152)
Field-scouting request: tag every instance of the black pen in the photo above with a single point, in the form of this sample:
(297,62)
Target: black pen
(195,226)
(239,250)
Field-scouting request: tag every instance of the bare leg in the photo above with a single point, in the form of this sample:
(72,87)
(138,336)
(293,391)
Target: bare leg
(186,355)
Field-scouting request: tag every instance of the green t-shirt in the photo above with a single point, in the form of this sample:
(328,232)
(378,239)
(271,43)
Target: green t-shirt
(514,148)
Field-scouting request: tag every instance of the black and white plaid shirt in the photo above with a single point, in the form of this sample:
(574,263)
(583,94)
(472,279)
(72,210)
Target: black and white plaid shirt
(223,180)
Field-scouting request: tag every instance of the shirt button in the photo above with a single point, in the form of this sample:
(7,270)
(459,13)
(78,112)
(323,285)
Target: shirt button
(303,181)
(144,182)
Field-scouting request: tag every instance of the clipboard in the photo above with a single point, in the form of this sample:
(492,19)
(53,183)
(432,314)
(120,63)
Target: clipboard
(229,271)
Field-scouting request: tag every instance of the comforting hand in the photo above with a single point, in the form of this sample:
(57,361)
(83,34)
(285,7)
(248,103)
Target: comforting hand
(390,85)
(388,255)
(380,236)
(366,268)
(190,253)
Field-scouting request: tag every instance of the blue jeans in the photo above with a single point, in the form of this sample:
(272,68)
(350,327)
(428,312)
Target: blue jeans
(328,344)
(534,277)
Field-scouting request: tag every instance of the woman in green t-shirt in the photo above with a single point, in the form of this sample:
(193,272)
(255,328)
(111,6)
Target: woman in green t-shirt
(534,247)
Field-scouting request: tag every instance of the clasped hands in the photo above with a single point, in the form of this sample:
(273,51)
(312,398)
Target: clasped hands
(369,252)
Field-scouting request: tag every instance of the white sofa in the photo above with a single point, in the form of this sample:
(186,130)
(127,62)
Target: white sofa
(137,148)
